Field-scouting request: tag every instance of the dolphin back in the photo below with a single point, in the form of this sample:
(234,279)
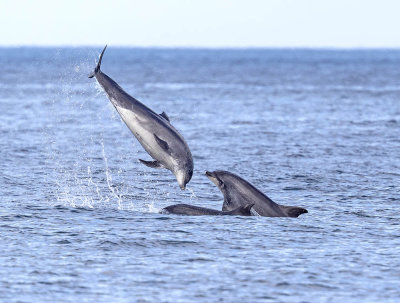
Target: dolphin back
(190,210)
(239,192)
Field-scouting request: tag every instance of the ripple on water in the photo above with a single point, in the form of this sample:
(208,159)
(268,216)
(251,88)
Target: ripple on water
(79,217)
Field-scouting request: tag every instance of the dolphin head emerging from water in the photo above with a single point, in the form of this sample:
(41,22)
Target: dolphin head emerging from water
(230,188)
(238,192)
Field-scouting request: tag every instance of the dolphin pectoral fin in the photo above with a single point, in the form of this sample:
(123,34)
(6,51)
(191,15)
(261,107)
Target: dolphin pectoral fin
(152,164)
(165,116)
(162,143)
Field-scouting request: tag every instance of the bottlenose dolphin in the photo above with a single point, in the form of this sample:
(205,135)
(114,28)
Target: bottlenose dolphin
(153,131)
(190,210)
(238,192)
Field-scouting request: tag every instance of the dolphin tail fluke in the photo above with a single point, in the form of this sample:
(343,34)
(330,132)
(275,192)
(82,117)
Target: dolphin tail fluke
(97,69)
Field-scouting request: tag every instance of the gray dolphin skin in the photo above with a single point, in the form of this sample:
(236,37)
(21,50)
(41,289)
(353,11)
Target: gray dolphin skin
(153,131)
(238,192)
(191,210)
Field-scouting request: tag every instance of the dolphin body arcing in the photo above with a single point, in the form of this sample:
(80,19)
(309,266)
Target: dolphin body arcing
(238,192)
(153,131)
(191,210)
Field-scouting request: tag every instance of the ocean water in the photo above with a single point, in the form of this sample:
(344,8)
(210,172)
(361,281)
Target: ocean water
(319,129)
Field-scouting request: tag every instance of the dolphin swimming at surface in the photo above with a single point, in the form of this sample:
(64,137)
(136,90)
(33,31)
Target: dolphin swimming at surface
(238,192)
(153,131)
(191,210)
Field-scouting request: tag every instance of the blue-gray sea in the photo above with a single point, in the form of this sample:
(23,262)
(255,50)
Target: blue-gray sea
(319,129)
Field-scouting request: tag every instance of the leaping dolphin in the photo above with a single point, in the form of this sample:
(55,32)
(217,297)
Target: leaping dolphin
(191,210)
(153,131)
(238,192)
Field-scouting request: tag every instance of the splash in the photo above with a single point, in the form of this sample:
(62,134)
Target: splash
(81,174)
(192,193)
(114,190)
(151,208)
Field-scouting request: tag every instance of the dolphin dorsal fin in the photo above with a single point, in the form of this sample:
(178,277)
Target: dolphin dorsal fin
(162,143)
(165,116)
(247,208)
(243,210)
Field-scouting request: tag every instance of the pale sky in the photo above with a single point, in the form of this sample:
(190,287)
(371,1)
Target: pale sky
(202,23)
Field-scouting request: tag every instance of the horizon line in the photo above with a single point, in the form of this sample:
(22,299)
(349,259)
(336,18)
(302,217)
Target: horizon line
(201,47)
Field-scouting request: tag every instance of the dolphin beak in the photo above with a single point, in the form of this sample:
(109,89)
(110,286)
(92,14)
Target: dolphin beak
(183,187)
(213,178)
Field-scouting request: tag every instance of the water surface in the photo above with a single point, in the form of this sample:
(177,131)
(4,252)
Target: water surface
(318,129)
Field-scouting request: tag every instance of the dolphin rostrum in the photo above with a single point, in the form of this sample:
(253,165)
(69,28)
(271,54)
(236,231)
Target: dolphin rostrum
(238,192)
(191,210)
(154,131)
